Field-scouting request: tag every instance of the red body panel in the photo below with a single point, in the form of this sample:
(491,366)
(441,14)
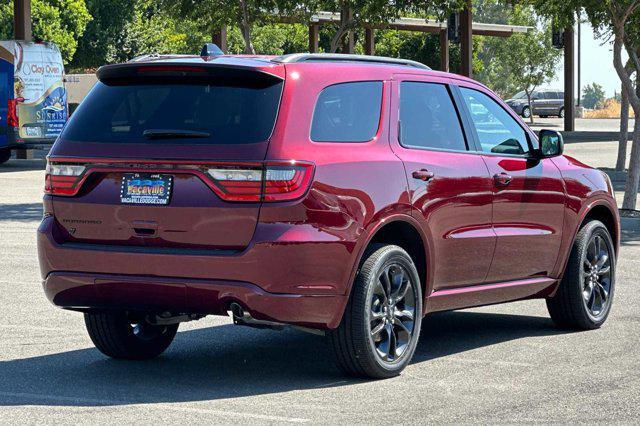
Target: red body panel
(293,262)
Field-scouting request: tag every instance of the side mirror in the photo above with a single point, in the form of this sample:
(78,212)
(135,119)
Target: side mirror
(551,143)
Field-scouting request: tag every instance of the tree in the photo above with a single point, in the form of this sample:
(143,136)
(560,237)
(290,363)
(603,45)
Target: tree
(357,13)
(102,33)
(211,15)
(617,21)
(60,21)
(594,96)
(620,19)
(523,61)
(624,122)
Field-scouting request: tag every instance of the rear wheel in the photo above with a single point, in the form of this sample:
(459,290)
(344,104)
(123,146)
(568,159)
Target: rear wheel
(561,113)
(526,112)
(118,335)
(381,324)
(5,155)
(583,300)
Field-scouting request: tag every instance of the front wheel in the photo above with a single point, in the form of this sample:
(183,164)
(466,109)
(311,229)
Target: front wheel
(526,112)
(583,300)
(379,331)
(119,335)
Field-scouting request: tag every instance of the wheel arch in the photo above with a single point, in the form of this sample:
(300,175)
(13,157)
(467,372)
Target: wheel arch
(601,210)
(405,232)
(604,214)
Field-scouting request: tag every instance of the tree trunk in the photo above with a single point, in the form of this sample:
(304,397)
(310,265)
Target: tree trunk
(245,29)
(633,177)
(624,132)
(337,37)
(530,106)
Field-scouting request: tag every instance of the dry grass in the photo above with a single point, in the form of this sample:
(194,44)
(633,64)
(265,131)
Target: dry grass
(611,110)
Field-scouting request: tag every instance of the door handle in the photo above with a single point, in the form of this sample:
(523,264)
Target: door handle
(502,179)
(423,174)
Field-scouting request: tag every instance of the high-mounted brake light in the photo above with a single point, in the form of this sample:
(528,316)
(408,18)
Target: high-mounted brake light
(275,182)
(63,179)
(171,69)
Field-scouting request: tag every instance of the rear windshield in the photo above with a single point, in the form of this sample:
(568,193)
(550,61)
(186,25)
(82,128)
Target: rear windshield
(184,113)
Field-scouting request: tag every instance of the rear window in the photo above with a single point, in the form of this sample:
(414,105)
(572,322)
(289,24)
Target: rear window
(203,113)
(347,112)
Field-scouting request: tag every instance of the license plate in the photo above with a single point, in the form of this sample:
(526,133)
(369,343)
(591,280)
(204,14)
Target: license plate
(145,188)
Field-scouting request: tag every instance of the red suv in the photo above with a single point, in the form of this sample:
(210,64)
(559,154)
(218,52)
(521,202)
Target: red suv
(343,195)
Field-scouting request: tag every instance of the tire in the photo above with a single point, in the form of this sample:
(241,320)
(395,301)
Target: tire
(526,112)
(118,336)
(561,113)
(357,348)
(5,155)
(580,302)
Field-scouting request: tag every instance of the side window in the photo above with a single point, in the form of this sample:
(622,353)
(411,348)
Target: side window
(347,112)
(497,131)
(428,118)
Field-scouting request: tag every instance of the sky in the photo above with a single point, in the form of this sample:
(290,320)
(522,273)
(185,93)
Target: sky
(596,61)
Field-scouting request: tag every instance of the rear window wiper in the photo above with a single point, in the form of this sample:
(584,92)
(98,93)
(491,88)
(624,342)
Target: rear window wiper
(174,133)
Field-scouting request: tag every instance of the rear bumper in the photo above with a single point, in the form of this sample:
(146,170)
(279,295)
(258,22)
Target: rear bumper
(278,279)
(156,294)
(15,142)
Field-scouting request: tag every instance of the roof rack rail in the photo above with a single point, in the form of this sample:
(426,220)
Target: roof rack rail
(341,57)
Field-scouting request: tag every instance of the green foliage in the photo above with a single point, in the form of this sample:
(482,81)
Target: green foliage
(271,39)
(60,21)
(153,31)
(423,48)
(124,29)
(102,33)
(593,97)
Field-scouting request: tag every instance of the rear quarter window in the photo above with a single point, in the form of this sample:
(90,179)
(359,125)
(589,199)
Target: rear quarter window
(347,112)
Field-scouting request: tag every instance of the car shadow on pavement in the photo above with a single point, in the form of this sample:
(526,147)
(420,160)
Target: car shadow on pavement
(230,361)
(23,165)
(27,212)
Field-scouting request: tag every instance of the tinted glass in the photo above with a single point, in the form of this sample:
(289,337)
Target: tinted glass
(227,114)
(347,112)
(558,95)
(428,118)
(498,132)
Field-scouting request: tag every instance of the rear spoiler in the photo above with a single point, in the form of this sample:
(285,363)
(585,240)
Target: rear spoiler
(186,72)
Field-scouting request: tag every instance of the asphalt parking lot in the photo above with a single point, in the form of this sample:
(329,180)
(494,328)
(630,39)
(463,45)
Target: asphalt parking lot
(499,364)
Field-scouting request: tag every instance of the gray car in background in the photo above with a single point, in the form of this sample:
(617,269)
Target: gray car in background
(544,103)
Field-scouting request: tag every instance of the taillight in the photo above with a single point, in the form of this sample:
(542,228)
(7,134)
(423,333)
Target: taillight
(275,182)
(63,179)
(285,183)
(237,184)
(12,113)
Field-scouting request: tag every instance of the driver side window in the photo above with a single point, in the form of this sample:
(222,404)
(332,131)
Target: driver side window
(498,132)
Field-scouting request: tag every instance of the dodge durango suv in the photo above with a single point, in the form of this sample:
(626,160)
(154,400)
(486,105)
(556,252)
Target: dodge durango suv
(343,195)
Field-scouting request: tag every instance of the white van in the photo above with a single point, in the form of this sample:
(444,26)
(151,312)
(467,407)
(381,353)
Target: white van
(33,99)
